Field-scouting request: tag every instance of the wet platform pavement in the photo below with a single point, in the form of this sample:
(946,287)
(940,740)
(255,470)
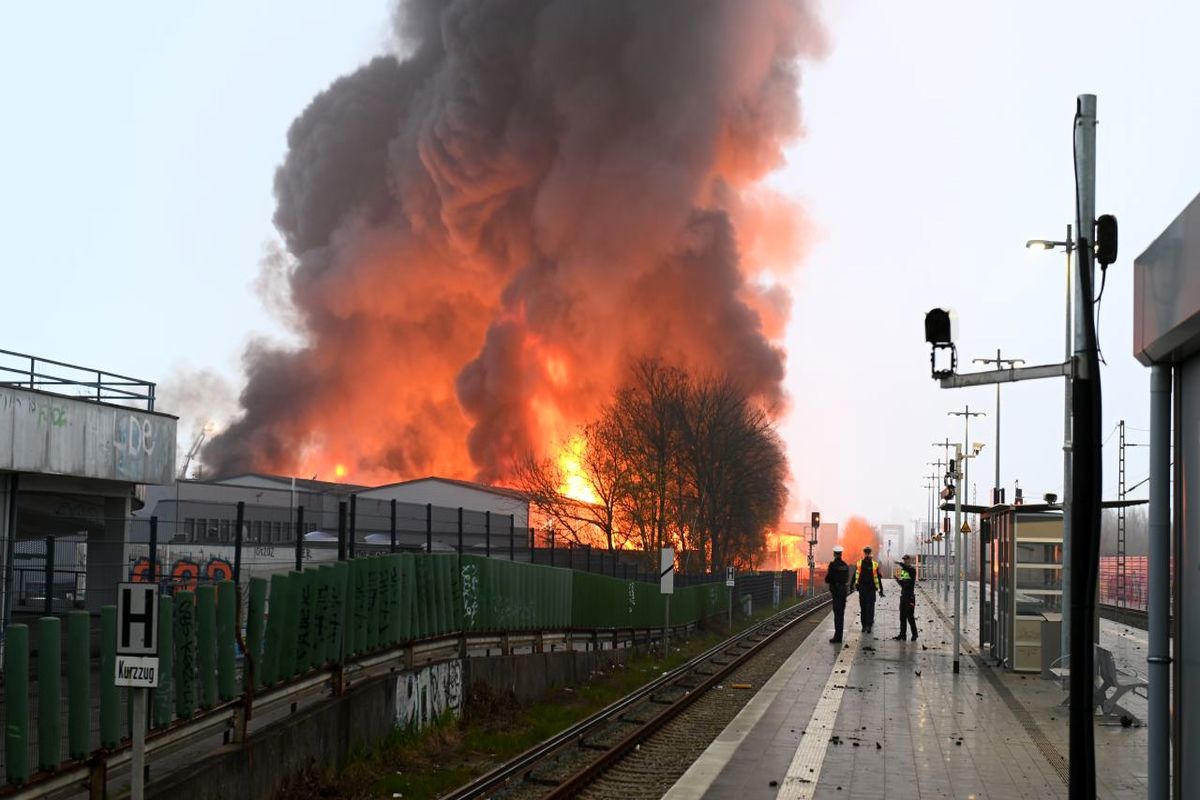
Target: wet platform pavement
(879,718)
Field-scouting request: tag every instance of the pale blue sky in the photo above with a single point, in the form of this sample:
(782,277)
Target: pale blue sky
(140,139)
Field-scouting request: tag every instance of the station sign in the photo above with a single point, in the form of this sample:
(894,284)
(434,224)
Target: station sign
(729,576)
(137,635)
(137,619)
(137,671)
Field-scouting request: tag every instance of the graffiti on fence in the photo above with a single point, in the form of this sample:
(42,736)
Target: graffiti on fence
(184,574)
(423,696)
(470,594)
(187,565)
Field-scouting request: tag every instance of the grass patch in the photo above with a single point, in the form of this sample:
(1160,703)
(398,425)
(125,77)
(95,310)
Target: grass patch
(493,729)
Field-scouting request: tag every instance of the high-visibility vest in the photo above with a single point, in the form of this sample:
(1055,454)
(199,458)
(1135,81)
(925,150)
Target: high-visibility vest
(858,570)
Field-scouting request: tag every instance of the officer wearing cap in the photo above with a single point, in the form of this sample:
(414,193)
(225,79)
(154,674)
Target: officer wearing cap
(837,577)
(866,581)
(906,576)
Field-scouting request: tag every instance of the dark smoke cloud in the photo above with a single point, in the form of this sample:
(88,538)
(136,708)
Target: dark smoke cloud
(484,234)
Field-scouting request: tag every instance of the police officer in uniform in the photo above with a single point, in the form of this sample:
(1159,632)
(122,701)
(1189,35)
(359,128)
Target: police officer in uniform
(866,581)
(837,577)
(906,576)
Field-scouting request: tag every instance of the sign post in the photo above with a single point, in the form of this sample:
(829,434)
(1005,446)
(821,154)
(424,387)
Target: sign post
(729,582)
(137,665)
(666,585)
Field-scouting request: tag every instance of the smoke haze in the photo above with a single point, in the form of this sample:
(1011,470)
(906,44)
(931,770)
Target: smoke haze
(484,233)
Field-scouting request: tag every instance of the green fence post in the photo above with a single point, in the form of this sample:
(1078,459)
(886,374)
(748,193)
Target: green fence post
(357,600)
(206,640)
(395,570)
(226,640)
(338,612)
(79,695)
(291,613)
(254,631)
(110,697)
(276,617)
(162,702)
(49,692)
(371,634)
(306,602)
(185,654)
(16,703)
(323,594)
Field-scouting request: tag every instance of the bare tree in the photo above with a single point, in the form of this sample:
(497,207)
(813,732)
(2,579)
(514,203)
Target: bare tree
(603,469)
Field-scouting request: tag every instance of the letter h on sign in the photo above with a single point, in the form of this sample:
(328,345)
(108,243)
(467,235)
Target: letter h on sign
(137,623)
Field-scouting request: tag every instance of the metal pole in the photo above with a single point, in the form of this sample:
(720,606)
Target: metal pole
(460,539)
(342,531)
(429,527)
(392,548)
(1158,753)
(240,519)
(9,553)
(958,474)
(1087,471)
(300,538)
(667,629)
(137,760)
(1065,633)
(487,534)
(960,581)
(353,524)
(512,538)
(49,578)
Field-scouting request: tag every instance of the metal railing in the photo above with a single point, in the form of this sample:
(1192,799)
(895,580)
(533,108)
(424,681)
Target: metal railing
(85,383)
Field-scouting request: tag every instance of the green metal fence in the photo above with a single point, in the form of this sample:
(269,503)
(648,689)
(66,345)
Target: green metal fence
(300,622)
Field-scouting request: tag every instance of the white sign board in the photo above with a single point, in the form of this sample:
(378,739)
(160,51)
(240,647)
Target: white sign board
(729,576)
(666,572)
(137,671)
(137,619)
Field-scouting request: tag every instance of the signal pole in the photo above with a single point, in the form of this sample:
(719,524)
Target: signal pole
(965,467)
(939,481)
(945,444)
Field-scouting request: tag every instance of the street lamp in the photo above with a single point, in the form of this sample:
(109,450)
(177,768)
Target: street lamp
(1068,246)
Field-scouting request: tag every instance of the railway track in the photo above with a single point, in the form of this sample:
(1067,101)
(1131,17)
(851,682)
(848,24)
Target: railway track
(639,746)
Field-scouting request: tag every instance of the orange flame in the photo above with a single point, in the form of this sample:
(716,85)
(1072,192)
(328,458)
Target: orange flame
(575,482)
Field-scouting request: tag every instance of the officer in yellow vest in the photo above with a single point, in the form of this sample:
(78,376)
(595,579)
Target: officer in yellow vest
(866,581)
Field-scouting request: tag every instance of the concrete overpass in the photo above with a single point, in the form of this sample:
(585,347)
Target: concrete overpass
(76,446)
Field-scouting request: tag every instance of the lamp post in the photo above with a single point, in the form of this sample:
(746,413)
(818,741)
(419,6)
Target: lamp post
(1068,246)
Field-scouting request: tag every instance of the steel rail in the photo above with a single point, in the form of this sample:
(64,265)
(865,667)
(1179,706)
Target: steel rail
(517,768)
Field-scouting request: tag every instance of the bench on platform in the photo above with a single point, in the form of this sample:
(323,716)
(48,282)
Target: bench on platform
(1108,679)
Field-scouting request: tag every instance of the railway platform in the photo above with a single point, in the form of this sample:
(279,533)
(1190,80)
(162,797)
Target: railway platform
(879,718)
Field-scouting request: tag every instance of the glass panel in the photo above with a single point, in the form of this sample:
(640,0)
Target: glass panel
(1038,553)
(1038,603)
(1039,578)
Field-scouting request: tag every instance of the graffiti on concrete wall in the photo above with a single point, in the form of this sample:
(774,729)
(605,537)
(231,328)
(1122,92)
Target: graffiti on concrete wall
(141,445)
(425,695)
